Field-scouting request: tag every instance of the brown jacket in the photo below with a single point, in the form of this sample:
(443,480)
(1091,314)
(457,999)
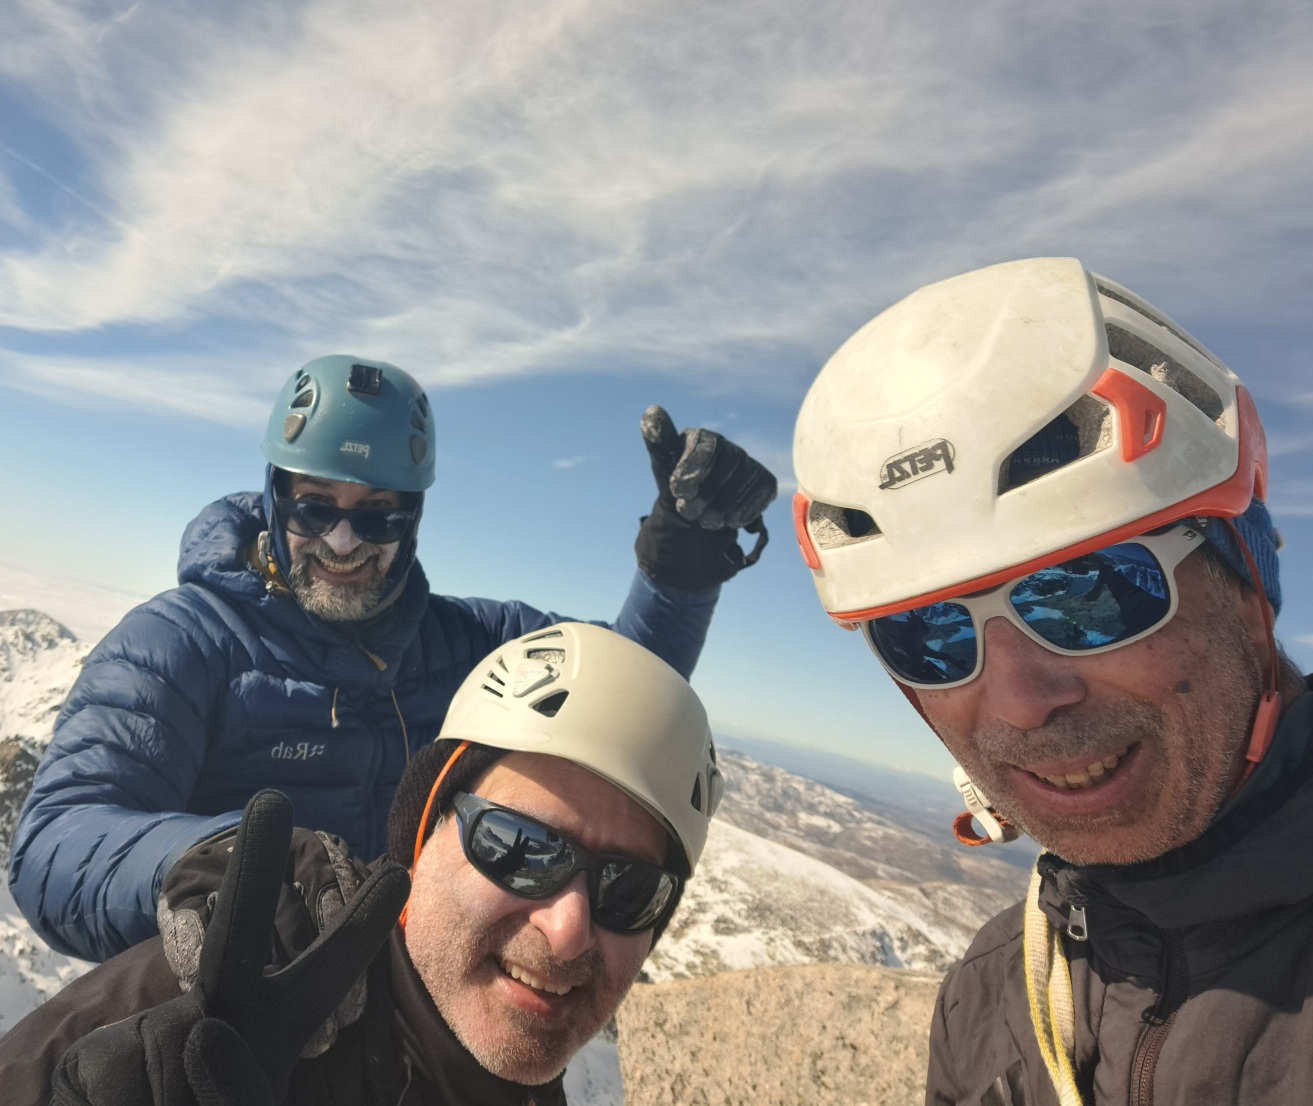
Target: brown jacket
(1195,985)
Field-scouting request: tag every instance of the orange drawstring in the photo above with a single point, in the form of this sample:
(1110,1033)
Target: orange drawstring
(424,820)
(1269,704)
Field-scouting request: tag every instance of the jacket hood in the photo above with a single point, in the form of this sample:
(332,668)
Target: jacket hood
(215,544)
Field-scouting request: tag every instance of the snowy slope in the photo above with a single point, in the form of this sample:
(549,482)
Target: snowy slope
(755,904)
(29,971)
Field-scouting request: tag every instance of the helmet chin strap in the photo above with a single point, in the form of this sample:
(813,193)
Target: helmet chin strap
(1269,703)
(996,826)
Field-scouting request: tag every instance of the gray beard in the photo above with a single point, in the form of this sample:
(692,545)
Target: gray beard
(338,602)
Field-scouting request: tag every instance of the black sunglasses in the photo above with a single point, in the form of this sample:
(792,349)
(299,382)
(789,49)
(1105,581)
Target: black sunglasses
(533,861)
(313,518)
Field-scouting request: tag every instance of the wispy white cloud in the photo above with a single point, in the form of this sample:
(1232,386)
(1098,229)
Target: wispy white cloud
(566,463)
(486,189)
(213,390)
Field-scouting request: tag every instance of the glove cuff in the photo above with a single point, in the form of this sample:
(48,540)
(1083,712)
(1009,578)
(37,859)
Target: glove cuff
(681,554)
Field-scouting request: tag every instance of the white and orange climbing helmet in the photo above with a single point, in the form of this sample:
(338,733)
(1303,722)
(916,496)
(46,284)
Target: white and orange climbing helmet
(1003,421)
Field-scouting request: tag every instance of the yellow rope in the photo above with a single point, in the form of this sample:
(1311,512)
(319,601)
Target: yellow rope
(1048,993)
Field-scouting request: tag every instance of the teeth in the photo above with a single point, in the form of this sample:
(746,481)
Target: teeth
(531,980)
(1089,775)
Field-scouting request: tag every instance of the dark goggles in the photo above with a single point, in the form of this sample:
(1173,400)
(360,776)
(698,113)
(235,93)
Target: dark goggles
(313,518)
(1089,604)
(533,861)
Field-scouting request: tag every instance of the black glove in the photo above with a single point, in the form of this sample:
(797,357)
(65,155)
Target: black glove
(319,877)
(707,487)
(235,1037)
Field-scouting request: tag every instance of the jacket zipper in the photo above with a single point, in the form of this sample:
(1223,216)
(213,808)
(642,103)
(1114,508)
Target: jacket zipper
(1176,986)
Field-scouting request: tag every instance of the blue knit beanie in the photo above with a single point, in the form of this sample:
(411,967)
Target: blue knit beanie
(1255,527)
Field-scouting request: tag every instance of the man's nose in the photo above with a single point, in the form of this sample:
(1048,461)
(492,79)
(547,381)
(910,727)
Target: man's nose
(565,921)
(342,539)
(1022,682)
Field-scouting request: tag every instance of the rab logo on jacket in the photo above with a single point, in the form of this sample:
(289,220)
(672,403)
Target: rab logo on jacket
(302,750)
(917,463)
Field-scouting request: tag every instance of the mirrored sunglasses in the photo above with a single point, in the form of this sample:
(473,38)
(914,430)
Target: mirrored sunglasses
(533,861)
(1089,604)
(313,518)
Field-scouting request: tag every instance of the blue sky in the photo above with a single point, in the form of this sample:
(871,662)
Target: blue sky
(556,213)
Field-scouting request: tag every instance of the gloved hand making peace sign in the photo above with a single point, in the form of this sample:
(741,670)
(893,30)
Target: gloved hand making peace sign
(233,1039)
(707,487)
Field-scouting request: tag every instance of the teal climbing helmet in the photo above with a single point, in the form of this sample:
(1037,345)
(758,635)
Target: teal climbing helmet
(346,418)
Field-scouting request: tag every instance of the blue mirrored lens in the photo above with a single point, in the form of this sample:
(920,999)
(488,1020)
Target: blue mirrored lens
(928,645)
(1094,601)
(528,859)
(521,855)
(1089,602)
(631,896)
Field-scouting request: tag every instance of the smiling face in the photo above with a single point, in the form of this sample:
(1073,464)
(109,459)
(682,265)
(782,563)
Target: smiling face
(525,983)
(338,577)
(1121,756)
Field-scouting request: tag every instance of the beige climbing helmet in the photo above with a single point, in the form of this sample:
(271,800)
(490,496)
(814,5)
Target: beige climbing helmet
(588,695)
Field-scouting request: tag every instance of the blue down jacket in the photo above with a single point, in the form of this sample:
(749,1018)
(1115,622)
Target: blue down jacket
(211,691)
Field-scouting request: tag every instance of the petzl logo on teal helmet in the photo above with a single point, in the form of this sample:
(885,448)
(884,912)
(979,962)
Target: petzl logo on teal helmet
(347,418)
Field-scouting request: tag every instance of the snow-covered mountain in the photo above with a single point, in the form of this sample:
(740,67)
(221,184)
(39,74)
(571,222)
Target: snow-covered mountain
(39,660)
(758,904)
(871,839)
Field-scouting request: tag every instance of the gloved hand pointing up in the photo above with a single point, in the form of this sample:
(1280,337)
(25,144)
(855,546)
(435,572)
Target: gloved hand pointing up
(707,487)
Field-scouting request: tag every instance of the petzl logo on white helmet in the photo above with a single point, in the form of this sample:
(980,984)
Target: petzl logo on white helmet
(917,463)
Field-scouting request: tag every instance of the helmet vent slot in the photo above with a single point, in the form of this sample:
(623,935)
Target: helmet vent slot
(304,398)
(832,526)
(548,656)
(493,691)
(696,797)
(1082,429)
(552,704)
(496,679)
(544,636)
(1146,312)
(1148,358)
